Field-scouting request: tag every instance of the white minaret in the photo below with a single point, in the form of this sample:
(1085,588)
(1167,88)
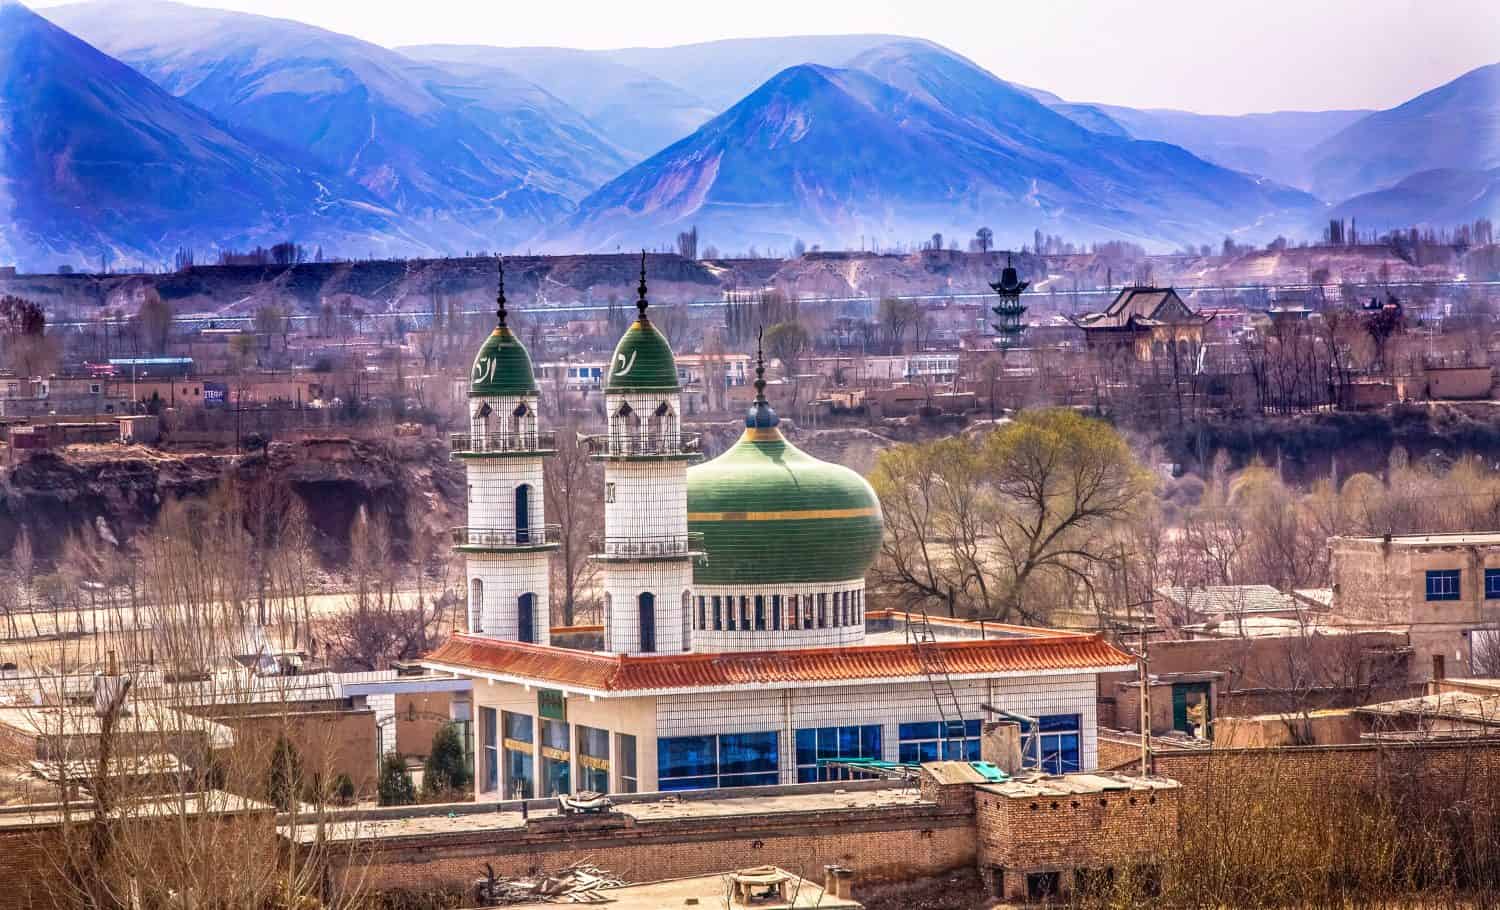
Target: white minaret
(646,551)
(506,540)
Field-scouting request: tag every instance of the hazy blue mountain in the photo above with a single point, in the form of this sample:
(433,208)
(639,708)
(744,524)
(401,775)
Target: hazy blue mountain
(908,140)
(1272,145)
(1441,198)
(100,163)
(637,111)
(723,72)
(479,156)
(1456,125)
(645,99)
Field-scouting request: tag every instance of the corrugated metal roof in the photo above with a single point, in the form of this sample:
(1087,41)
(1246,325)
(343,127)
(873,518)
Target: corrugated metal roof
(1049,651)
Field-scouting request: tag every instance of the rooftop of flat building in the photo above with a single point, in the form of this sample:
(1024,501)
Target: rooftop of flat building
(216,803)
(1444,539)
(1233,600)
(459,818)
(1467,707)
(1044,785)
(1262,626)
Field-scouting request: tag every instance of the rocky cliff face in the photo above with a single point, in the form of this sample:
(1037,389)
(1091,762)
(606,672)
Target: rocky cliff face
(119,491)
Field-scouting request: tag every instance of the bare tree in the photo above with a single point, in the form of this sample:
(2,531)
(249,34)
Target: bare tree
(573,492)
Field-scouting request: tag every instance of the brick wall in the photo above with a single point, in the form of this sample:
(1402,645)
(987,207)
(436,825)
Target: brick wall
(328,743)
(28,866)
(419,716)
(1277,673)
(1081,830)
(1308,769)
(879,844)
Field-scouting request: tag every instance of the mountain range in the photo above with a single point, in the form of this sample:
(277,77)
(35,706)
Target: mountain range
(100,164)
(184,126)
(909,139)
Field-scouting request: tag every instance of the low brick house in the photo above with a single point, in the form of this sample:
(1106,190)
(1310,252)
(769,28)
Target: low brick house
(1038,838)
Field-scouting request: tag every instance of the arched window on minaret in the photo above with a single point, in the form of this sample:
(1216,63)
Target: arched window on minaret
(476,606)
(522,422)
(661,424)
(624,427)
(481,427)
(523,513)
(526,618)
(647,606)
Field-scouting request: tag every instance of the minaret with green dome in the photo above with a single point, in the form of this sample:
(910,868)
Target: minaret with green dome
(787,541)
(506,539)
(646,551)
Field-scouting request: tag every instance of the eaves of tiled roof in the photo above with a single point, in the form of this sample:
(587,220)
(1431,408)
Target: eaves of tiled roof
(1049,653)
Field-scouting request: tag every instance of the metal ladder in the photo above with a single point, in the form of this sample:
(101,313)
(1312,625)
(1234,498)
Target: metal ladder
(930,659)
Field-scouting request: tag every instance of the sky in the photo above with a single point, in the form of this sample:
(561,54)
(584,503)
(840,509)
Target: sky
(1210,56)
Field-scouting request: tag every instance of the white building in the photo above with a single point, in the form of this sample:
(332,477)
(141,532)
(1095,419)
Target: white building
(737,648)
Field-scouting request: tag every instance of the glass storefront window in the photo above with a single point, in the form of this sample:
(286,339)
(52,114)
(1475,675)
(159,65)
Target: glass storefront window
(833,743)
(625,752)
(557,758)
(726,760)
(926,741)
(593,759)
(488,734)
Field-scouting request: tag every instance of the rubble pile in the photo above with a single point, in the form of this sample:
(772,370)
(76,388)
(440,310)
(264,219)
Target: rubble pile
(579,883)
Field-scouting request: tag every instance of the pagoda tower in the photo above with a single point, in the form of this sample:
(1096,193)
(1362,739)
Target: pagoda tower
(646,551)
(1010,310)
(506,540)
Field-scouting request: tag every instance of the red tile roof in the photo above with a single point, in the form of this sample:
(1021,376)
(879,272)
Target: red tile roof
(1047,652)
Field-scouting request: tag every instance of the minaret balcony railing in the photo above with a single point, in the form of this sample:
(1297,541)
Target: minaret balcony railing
(537,443)
(646,547)
(541,536)
(642,445)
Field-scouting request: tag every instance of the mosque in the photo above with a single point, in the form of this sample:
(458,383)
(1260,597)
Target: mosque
(737,649)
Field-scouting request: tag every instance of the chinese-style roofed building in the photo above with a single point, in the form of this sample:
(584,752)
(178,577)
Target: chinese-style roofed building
(1142,320)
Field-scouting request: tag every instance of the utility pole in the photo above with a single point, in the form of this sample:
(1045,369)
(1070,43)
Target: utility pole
(1145,677)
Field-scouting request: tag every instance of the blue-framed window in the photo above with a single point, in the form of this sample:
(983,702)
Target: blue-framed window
(1491,584)
(938,740)
(1062,736)
(725,760)
(816,743)
(1443,584)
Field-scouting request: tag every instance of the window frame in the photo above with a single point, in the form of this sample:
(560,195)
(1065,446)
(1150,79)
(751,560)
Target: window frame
(1444,584)
(730,762)
(914,737)
(1489,592)
(812,744)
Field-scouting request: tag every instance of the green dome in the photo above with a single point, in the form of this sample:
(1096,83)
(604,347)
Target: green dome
(502,367)
(772,514)
(643,362)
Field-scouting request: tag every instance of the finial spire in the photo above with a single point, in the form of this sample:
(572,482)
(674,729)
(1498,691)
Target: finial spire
(761,416)
(500,311)
(760,366)
(640,303)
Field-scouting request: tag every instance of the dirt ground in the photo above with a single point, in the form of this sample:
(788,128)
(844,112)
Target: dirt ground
(959,890)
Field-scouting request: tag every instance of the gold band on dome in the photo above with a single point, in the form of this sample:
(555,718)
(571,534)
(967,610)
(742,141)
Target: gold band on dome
(864,512)
(762,434)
